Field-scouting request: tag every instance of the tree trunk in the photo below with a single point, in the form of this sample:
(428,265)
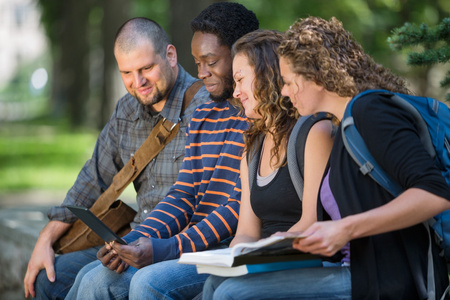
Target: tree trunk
(74,59)
(115,13)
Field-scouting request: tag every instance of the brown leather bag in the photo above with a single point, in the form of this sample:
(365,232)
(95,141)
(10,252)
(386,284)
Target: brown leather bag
(116,214)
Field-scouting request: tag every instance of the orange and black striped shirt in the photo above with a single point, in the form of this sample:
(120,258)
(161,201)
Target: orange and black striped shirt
(206,195)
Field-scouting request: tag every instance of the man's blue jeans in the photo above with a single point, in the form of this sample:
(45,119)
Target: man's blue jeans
(163,280)
(308,283)
(66,269)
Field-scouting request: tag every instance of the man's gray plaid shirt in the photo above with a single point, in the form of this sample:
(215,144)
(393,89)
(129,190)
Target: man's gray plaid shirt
(129,126)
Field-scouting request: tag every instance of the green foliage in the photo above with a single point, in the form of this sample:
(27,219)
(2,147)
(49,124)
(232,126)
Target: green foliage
(43,155)
(370,21)
(156,10)
(39,155)
(433,44)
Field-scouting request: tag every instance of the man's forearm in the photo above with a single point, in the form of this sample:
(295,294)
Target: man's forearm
(53,231)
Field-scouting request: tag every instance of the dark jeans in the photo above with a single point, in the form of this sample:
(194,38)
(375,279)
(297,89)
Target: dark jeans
(66,269)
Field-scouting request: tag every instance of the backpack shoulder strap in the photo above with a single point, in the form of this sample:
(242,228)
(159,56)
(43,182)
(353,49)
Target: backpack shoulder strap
(358,150)
(296,148)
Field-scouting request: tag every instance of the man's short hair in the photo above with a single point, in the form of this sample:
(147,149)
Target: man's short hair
(137,29)
(227,20)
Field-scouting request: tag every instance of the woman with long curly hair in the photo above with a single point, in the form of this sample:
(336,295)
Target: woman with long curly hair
(269,201)
(382,239)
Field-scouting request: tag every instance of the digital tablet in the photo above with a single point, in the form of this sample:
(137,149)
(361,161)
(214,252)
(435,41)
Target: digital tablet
(95,224)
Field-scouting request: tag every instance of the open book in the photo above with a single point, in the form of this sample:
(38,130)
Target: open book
(269,250)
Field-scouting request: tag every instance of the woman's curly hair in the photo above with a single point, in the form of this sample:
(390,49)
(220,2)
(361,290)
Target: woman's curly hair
(278,116)
(324,52)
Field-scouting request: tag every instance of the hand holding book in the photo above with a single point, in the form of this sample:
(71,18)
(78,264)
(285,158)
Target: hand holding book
(270,254)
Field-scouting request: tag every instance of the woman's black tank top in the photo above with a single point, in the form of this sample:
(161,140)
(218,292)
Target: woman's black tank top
(277,203)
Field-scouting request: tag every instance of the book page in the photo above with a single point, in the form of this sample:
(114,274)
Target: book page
(218,257)
(244,248)
(274,245)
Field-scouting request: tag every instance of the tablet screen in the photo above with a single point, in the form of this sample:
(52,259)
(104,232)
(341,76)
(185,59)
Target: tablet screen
(95,224)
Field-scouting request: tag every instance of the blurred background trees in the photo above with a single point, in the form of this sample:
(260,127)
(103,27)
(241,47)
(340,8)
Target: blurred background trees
(74,83)
(81,34)
(84,83)
(433,42)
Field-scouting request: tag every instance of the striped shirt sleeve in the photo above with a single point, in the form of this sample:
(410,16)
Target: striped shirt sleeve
(202,207)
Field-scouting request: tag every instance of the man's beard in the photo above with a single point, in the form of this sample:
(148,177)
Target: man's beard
(167,81)
(227,92)
(158,97)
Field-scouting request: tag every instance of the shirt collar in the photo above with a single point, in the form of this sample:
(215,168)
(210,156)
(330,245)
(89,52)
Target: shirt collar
(174,103)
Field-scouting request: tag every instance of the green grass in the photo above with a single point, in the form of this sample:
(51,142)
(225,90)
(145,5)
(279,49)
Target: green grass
(42,155)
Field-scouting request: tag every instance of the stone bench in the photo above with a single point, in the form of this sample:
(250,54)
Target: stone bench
(19,230)
(22,217)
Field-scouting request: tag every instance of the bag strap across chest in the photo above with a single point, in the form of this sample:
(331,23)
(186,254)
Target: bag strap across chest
(161,135)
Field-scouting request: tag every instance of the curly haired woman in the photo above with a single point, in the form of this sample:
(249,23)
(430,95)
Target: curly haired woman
(382,238)
(270,203)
